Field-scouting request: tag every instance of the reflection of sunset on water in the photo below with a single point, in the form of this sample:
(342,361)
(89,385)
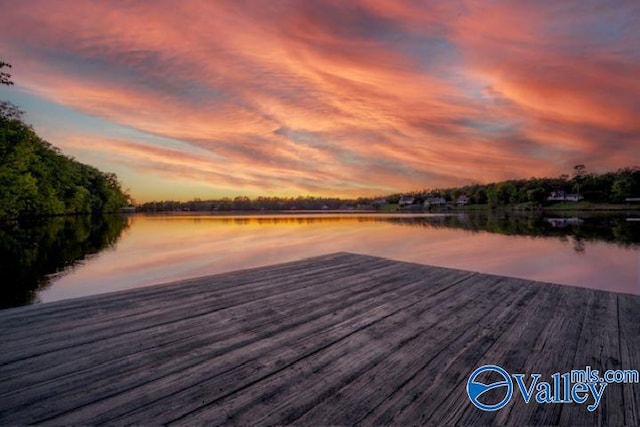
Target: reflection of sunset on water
(165,248)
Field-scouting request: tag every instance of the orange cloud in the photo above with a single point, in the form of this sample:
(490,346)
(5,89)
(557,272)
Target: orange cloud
(364,97)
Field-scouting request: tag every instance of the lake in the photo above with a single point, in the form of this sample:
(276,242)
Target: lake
(73,257)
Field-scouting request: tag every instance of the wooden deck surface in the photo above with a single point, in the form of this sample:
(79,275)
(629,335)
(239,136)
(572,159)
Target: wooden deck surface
(339,339)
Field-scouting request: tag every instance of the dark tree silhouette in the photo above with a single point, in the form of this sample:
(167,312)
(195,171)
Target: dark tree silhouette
(5,78)
(7,109)
(579,173)
(10,111)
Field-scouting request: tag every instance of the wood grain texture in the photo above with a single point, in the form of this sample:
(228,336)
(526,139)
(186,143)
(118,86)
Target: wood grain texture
(341,339)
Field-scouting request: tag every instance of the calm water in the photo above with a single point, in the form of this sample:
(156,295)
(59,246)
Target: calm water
(72,257)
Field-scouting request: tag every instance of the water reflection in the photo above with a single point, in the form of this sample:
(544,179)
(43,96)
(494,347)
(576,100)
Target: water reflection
(600,252)
(32,256)
(595,228)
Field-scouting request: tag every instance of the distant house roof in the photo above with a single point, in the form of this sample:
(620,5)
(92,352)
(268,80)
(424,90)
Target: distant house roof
(406,200)
(435,201)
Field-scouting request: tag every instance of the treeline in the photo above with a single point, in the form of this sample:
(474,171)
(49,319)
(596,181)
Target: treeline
(258,204)
(609,187)
(37,180)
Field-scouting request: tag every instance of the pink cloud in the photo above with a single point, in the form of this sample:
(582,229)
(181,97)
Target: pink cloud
(342,98)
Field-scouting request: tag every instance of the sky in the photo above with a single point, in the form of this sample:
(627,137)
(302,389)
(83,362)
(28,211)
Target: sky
(336,98)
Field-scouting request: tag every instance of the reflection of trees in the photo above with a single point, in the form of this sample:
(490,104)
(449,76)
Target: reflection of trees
(578,244)
(611,229)
(30,253)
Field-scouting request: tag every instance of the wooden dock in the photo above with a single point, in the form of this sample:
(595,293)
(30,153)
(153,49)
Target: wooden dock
(340,339)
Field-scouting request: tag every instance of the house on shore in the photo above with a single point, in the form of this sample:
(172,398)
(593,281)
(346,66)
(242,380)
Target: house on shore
(462,200)
(434,201)
(406,201)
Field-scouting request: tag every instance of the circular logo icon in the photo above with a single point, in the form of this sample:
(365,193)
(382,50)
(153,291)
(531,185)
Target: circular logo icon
(475,389)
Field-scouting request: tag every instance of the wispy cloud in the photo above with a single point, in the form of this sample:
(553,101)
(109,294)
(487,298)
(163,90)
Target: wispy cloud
(324,97)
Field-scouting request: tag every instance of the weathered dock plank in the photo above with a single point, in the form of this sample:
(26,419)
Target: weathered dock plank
(339,339)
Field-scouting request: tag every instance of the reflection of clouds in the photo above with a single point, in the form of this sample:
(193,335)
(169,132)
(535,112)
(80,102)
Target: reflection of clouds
(347,98)
(161,249)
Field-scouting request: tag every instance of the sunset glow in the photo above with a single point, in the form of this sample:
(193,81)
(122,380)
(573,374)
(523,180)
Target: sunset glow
(223,98)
